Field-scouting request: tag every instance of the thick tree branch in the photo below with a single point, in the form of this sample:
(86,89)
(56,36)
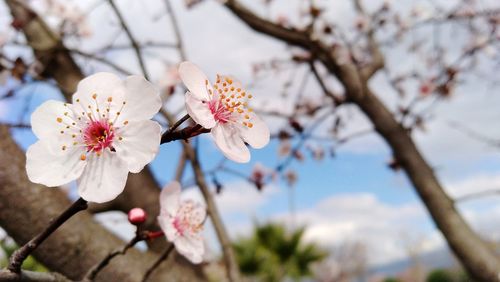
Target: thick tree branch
(474,254)
(18,257)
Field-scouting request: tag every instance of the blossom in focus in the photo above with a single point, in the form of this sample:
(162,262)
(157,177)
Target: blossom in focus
(182,222)
(105,133)
(223,108)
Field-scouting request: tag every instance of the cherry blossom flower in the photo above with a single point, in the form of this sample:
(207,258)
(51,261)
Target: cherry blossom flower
(182,222)
(105,133)
(223,108)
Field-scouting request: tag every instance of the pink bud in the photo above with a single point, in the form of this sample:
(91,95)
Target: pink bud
(137,216)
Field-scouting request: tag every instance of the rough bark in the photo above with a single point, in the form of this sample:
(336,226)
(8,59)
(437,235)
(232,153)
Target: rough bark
(472,251)
(80,243)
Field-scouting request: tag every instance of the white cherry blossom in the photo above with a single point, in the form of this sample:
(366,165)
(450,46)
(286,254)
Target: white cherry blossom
(182,222)
(223,108)
(105,133)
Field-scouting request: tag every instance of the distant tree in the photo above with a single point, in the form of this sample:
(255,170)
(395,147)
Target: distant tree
(391,279)
(440,275)
(272,253)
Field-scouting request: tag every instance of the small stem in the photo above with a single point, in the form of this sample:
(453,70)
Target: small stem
(163,257)
(18,257)
(178,123)
(183,134)
(92,273)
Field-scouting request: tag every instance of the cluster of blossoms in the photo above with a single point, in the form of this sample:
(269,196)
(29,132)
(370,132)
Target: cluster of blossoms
(107,132)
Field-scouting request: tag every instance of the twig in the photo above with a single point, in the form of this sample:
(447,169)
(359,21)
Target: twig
(163,257)
(183,134)
(133,42)
(17,258)
(175,26)
(92,273)
(32,276)
(481,194)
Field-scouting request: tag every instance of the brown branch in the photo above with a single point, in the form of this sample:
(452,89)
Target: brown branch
(101,60)
(157,263)
(32,276)
(184,134)
(472,251)
(77,245)
(18,257)
(92,273)
(133,41)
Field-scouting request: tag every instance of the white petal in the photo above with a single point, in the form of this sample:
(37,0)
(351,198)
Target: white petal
(142,99)
(103,85)
(258,135)
(50,121)
(139,145)
(199,111)
(51,170)
(104,177)
(195,80)
(191,247)
(170,198)
(229,141)
(166,224)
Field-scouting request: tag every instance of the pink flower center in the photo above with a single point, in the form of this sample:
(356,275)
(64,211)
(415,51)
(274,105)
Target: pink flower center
(187,221)
(229,102)
(98,135)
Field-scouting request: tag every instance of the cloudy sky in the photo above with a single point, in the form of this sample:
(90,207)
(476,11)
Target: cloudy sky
(353,197)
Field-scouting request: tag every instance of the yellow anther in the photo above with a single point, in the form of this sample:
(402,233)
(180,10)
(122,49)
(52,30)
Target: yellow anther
(250,96)
(250,125)
(75,143)
(83,157)
(238,89)
(247,116)
(224,84)
(117,113)
(110,99)
(59,120)
(120,138)
(125,122)
(78,100)
(63,148)
(73,136)
(94,96)
(232,88)
(62,131)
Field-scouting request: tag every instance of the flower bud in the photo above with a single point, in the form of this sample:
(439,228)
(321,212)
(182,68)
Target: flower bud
(137,216)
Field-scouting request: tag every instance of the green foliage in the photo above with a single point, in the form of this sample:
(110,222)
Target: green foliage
(440,275)
(272,253)
(29,264)
(391,279)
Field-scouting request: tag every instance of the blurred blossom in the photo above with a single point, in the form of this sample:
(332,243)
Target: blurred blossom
(284,148)
(182,222)
(291,177)
(168,81)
